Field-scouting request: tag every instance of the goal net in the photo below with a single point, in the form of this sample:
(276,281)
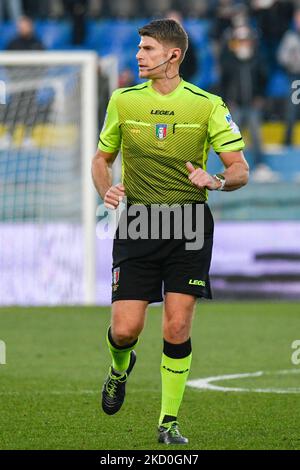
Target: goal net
(49,123)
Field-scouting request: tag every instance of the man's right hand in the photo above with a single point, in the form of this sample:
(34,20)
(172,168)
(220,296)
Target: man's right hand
(114,196)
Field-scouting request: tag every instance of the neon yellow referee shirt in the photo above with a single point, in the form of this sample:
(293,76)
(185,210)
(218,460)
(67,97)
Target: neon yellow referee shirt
(158,134)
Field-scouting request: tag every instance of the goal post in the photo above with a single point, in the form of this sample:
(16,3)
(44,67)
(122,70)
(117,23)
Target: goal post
(48,136)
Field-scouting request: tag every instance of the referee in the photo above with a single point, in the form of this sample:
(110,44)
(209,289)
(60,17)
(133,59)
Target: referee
(164,128)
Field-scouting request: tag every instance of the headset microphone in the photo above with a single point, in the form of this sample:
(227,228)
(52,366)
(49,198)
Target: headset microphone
(162,63)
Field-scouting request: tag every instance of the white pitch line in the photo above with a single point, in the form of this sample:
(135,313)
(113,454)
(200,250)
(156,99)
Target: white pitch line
(49,392)
(200,384)
(206,383)
(66,392)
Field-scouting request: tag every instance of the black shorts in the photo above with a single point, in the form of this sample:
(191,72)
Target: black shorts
(143,268)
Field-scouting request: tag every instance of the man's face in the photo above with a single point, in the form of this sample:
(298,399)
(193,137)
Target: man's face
(25,27)
(243,48)
(152,53)
(297,20)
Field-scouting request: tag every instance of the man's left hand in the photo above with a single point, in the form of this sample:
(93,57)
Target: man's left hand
(201,179)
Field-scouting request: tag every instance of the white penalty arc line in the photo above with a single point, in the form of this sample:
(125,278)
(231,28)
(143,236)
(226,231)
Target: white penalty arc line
(207,383)
(202,384)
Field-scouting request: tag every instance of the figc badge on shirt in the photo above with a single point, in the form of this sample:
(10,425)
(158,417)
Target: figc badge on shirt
(235,129)
(161,131)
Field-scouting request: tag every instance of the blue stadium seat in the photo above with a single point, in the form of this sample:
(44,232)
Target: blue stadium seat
(3,74)
(198,30)
(207,75)
(8,32)
(278,86)
(214,164)
(98,35)
(54,34)
(287,164)
(109,36)
(127,60)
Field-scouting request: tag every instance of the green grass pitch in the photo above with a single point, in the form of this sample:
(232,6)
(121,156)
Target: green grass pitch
(57,360)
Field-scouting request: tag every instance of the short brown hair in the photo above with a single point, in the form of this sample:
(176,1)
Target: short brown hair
(167,31)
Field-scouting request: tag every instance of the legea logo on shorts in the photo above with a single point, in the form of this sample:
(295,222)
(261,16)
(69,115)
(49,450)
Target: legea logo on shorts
(195,282)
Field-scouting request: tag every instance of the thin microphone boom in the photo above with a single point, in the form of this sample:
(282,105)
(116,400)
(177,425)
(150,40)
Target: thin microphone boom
(159,65)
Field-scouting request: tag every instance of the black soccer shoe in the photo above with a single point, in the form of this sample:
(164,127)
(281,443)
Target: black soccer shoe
(113,391)
(171,434)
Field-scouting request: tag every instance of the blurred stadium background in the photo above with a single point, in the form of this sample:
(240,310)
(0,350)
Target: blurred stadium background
(58,66)
(247,51)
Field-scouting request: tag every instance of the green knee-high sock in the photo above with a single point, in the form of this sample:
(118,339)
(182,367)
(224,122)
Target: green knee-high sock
(120,354)
(175,367)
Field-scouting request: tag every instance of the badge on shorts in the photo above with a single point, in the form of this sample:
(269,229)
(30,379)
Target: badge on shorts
(115,278)
(161,131)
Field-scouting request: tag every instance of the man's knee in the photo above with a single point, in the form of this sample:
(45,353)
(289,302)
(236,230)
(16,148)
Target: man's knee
(176,330)
(128,317)
(123,335)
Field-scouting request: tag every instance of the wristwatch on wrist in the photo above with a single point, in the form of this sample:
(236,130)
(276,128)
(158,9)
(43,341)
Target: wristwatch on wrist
(222,180)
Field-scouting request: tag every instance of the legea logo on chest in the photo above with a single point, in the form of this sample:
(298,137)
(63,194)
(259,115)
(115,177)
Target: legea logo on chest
(163,112)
